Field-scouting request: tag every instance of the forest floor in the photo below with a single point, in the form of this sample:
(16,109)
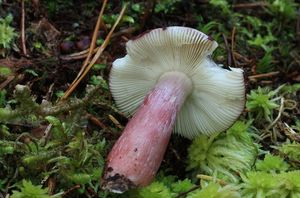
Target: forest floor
(56,130)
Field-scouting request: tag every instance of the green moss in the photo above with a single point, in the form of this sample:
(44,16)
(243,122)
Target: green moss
(7,33)
(291,150)
(214,190)
(216,154)
(28,190)
(273,164)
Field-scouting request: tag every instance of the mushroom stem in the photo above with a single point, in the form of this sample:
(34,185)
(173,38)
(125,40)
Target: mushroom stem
(137,154)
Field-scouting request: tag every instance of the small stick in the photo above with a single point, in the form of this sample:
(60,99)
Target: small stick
(239,56)
(10,180)
(265,135)
(270,74)
(6,82)
(228,50)
(97,122)
(93,42)
(84,53)
(281,109)
(232,45)
(51,184)
(92,192)
(210,178)
(290,133)
(290,104)
(250,5)
(185,193)
(124,31)
(78,55)
(23,40)
(97,55)
(298,25)
(47,133)
(266,82)
(71,189)
(115,121)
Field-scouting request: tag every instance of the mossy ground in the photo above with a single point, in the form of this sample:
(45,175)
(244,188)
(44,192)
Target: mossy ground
(261,37)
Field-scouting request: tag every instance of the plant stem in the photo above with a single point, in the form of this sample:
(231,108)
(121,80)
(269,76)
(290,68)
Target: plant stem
(137,155)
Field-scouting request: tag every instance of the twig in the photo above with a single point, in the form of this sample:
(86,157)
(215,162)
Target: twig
(71,189)
(84,53)
(250,5)
(232,45)
(32,139)
(266,82)
(115,121)
(265,135)
(190,190)
(228,50)
(292,135)
(290,104)
(97,55)
(47,133)
(210,178)
(11,179)
(124,31)
(239,56)
(298,25)
(6,82)
(176,154)
(92,192)
(149,10)
(281,109)
(23,40)
(98,122)
(51,183)
(77,55)
(93,42)
(265,75)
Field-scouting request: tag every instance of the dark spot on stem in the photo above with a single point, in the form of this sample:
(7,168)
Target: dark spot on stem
(135,150)
(117,183)
(110,169)
(146,100)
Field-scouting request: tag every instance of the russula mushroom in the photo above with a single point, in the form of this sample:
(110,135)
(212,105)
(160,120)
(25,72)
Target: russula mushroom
(169,82)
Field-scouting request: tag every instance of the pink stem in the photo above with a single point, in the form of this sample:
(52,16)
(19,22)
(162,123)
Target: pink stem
(137,155)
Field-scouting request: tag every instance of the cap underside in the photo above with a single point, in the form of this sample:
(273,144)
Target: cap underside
(218,94)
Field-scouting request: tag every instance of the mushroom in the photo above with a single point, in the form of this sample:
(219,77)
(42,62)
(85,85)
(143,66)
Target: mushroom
(169,82)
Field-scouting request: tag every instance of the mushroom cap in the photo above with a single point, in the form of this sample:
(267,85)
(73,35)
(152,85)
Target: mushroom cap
(218,95)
